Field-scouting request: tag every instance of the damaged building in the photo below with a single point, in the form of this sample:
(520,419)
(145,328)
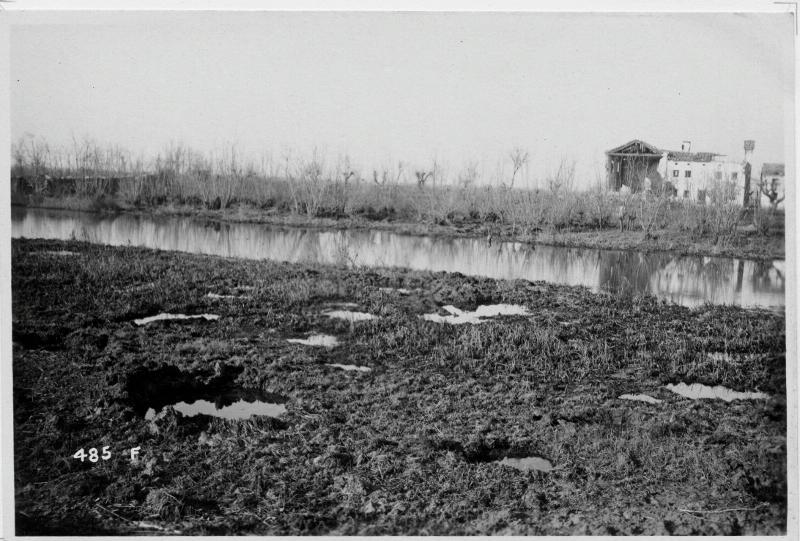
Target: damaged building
(639,166)
(635,166)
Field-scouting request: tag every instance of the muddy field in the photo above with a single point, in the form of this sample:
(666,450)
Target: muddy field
(407,425)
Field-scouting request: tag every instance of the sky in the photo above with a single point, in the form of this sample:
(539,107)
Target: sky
(380,88)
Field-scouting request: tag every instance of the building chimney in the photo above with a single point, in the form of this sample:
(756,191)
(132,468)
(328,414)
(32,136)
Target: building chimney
(686,146)
(749,146)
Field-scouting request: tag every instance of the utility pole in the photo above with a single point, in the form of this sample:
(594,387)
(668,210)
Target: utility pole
(749,146)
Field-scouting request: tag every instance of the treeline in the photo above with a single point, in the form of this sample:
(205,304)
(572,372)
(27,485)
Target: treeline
(309,186)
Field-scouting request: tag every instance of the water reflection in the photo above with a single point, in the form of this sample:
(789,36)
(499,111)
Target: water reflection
(689,281)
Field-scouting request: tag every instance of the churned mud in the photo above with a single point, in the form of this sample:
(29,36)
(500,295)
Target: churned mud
(520,425)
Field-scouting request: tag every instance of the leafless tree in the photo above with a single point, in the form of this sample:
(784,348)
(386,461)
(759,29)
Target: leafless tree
(519,158)
(771,191)
(385,176)
(341,184)
(292,181)
(564,176)
(625,214)
(468,175)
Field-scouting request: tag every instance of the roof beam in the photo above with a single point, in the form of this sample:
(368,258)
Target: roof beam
(634,154)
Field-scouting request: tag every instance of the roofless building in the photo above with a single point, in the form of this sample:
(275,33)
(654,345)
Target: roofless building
(630,164)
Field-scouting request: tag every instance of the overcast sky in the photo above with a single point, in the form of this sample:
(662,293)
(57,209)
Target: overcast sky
(411,87)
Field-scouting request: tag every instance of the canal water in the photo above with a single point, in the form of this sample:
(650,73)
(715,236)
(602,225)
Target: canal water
(687,280)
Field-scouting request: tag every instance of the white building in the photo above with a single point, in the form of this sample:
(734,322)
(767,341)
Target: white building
(700,175)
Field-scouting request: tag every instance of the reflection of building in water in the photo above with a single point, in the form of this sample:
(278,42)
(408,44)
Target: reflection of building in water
(767,277)
(692,281)
(763,284)
(628,271)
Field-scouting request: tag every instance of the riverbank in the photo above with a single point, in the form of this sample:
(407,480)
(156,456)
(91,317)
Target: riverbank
(744,243)
(411,446)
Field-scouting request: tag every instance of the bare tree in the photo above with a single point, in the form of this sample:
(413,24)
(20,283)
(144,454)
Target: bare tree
(563,177)
(313,183)
(293,182)
(652,208)
(625,213)
(385,177)
(341,184)
(771,192)
(519,158)
(468,175)
(422,177)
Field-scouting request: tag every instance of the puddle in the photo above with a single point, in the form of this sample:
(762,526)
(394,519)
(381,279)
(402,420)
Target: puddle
(164,317)
(57,252)
(532,463)
(322,340)
(351,367)
(343,304)
(459,317)
(349,316)
(721,357)
(216,296)
(241,409)
(732,358)
(140,287)
(195,393)
(697,391)
(641,398)
(400,290)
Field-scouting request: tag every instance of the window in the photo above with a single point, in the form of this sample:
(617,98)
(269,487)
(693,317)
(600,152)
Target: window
(701,196)
(717,175)
(686,194)
(675,172)
(734,175)
(687,173)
